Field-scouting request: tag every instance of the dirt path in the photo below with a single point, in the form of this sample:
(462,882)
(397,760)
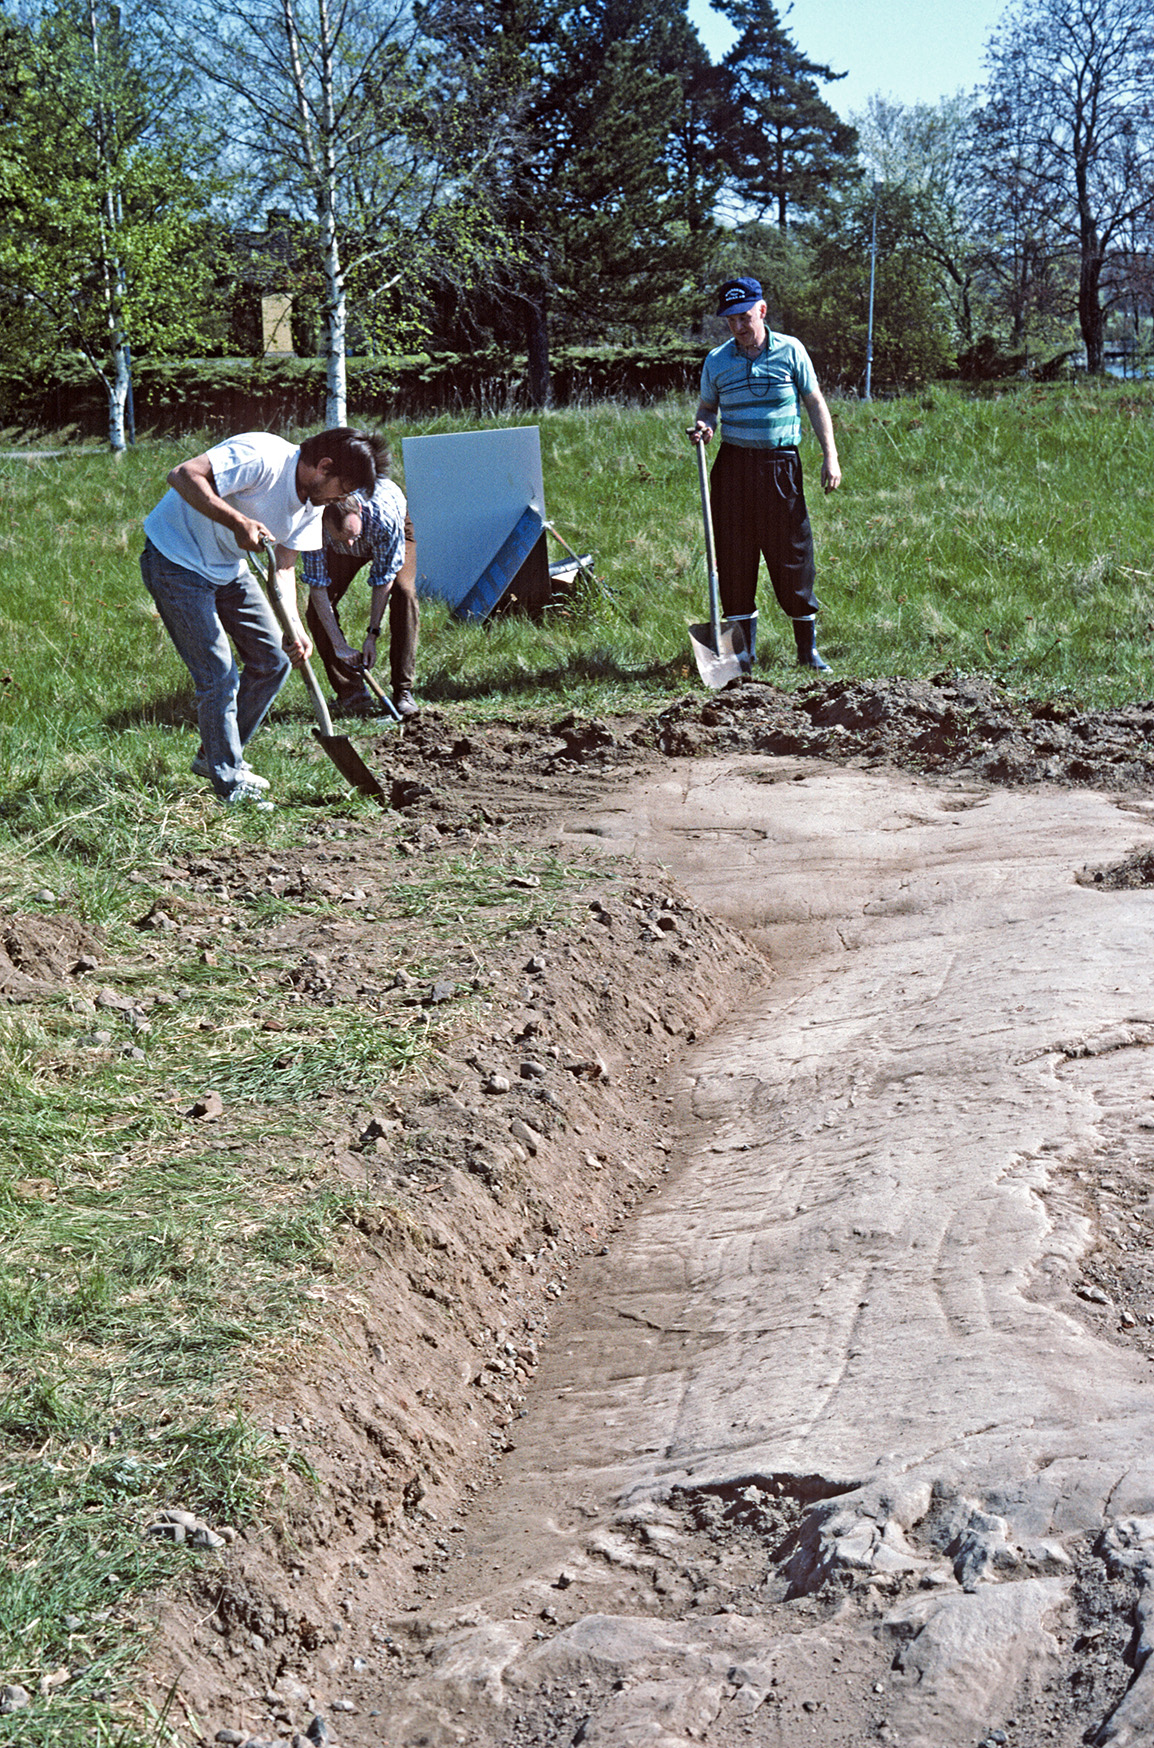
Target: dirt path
(844,1438)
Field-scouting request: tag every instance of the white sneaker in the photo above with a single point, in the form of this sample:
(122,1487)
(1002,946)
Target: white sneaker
(249,795)
(200,768)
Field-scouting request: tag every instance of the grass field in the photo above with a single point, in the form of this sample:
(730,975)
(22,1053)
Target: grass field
(140,1280)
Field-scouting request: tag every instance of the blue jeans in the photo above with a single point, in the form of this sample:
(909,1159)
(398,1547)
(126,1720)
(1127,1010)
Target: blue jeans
(200,616)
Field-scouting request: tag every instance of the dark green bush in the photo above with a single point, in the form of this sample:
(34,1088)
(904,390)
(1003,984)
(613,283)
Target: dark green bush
(174,396)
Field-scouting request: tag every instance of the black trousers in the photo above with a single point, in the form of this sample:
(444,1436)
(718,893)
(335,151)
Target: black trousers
(759,511)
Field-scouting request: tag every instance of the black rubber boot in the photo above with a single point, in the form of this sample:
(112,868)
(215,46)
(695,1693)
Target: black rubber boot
(747,623)
(805,636)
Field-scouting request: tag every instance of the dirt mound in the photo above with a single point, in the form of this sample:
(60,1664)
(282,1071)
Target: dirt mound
(951,724)
(520,1149)
(39,952)
(1135,870)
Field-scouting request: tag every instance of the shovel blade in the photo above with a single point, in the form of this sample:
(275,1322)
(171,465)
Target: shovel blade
(351,766)
(728,662)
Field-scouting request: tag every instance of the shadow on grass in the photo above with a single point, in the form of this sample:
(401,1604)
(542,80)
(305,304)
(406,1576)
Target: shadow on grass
(178,710)
(441,687)
(173,710)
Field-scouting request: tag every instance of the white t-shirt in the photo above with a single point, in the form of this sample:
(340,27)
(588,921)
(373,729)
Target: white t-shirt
(256,473)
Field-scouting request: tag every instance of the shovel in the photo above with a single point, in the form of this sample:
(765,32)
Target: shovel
(382,696)
(720,648)
(339,748)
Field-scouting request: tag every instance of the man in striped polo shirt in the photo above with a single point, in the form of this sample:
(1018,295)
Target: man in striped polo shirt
(758,381)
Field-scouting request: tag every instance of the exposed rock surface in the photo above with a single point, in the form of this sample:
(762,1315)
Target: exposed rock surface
(827,1444)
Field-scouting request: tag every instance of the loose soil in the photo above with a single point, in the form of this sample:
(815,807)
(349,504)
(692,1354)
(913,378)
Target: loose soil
(522,1148)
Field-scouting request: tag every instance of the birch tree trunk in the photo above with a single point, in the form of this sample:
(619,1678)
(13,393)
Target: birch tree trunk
(318,141)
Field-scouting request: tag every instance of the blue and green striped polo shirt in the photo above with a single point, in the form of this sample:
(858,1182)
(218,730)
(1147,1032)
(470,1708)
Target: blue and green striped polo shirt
(760,398)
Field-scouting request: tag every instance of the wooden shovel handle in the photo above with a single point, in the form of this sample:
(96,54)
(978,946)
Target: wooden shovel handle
(320,708)
(710,552)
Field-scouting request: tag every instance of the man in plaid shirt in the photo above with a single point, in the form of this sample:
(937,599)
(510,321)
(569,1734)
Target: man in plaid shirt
(374,531)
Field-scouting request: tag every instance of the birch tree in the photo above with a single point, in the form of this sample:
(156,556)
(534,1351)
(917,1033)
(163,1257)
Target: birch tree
(328,98)
(104,180)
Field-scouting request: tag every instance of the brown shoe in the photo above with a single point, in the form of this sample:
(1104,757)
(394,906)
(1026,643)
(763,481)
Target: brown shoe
(405,704)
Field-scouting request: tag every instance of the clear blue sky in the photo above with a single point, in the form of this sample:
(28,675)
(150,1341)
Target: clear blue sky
(913,50)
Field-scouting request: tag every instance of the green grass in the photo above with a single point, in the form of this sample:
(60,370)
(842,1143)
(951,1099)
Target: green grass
(1003,534)
(149,1264)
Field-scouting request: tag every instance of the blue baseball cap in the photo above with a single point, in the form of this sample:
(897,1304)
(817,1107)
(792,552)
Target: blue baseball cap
(738,295)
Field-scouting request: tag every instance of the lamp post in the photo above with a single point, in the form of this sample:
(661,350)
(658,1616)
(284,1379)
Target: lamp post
(873,275)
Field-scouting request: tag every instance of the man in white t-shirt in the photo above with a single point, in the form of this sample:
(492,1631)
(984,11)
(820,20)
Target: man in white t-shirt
(220,505)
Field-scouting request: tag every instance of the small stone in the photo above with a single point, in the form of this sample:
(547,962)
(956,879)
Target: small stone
(203,1537)
(318,1730)
(167,1532)
(525,1134)
(528,881)
(668,924)
(14,1699)
(537,963)
(231,1738)
(85,963)
(531,1070)
(497,1083)
(226,1533)
(343,1705)
(156,918)
(72,1623)
(1093,1295)
(589,1068)
(440,992)
(208,1107)
(44,896)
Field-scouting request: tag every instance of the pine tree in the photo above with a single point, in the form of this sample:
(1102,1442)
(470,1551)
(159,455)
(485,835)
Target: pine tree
(603,177)
(784,147)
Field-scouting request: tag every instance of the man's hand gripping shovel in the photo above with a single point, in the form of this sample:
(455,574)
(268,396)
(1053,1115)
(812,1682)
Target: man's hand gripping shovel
(720,648)
(338,746)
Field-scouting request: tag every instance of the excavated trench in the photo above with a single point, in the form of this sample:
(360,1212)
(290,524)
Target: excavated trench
(843,1437)
(824,1448)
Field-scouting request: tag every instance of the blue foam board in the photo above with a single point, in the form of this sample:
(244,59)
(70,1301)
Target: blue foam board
(501,570)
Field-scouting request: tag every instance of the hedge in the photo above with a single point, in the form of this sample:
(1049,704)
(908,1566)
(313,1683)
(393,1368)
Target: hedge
(173,397)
